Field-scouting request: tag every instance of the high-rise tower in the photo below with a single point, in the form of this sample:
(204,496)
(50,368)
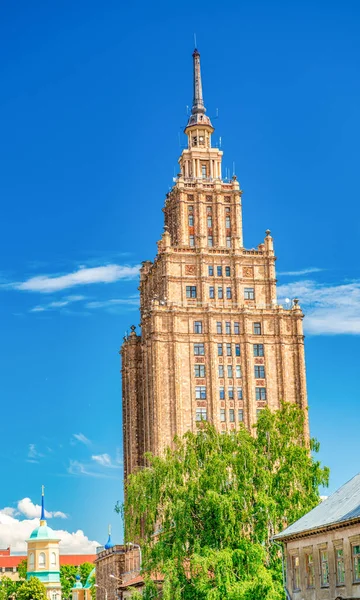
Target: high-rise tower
(214,342)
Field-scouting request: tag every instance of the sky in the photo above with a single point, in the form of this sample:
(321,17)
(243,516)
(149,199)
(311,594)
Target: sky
(92,108)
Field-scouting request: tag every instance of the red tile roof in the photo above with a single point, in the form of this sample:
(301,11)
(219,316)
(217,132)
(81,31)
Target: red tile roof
(65,559)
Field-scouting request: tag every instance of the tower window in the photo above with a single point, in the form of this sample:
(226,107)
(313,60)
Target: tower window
(191,220)
(220,293)
(227,222)
(210,241)
(238,371)
(236,327)
(198,327)
(218,327)
(209,221)
(219,271)
(228,241)
(231,415)
(211,292)
(210,271)
(227,327)
(42,560)
(229,371)
(31,560)
(259,372)
(227,271)
(191,240)
(53,559)
(228,350)
(220,349)
(231,393)
(222,393)
(249,294)
(203,171)
(237,349)
(260,393)
(240,415)
(200,392)
(228,293)
(201,414)
(257,328)
(194,140)
(199,349)
(199,370)
(222,415)
(221,371)
(258,349)
(191,291)
(239,394)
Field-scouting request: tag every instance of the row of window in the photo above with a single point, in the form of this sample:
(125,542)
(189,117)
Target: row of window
(191,292)
(231,415)
(199,349)
(210,241)
(324,568)
(219,271)
(209,219)
(201,414)
(42,560)
(259,371)
(198,327)
(231,393)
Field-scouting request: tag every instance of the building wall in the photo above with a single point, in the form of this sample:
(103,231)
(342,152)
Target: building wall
(203,231)
(121,561)
(344,539)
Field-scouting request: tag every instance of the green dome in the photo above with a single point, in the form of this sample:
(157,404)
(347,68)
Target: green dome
(43,532)
(88,581)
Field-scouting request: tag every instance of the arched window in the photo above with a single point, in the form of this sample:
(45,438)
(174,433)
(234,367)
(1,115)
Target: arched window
(42,560)
(53,559)
(31,560)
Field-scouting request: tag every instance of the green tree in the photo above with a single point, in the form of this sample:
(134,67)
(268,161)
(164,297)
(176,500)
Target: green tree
(22,568)
(85,570)
(216,499)
(33,589)
(7,588)
(68,579)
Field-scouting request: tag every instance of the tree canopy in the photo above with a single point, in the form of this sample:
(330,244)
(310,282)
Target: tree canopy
(33,589)
(205,512)
(22,568)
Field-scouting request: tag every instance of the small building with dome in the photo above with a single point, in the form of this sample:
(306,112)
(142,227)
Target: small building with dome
(43,560)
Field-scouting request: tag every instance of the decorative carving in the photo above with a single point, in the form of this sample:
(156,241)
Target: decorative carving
(260,382)
(190,270)
(259,361)
(248,272)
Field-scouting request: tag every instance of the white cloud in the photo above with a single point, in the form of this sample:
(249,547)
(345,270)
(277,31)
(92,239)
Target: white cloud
(32,511)
(132,301)
(330,309)
(80,437)
(33,454)
(57,304)
(306,271)
(46,284)
(105,461)
(14,532)
(77,468)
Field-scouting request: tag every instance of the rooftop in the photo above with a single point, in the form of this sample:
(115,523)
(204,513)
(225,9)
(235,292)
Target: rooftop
(341,507)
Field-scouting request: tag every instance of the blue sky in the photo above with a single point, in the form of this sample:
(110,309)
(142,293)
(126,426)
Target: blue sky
(93,98)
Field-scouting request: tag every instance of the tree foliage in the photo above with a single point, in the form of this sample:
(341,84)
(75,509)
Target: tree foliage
(22,569)
(32,589)
(68,579)
(216,500)
(8,588)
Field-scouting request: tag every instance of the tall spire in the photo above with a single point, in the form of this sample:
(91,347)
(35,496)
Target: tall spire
(42,516)
(198,110)
(198,102)
(109,543)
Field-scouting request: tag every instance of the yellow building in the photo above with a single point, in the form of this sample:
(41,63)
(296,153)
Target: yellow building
(43,560)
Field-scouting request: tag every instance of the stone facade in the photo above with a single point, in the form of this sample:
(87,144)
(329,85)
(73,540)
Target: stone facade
(324,565)
(122,561)
(214,342)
